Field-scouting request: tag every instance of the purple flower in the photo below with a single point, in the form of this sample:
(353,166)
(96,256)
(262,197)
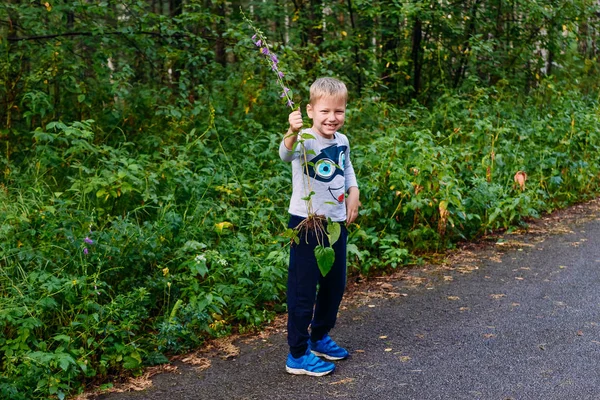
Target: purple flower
(253,36)
(280,74)
(274,58)
(85,251)
(88,240)
(285,90)
(265,51)
(258,43)
(290,103)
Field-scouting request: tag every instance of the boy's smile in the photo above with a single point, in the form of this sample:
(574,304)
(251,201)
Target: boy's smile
(328,115)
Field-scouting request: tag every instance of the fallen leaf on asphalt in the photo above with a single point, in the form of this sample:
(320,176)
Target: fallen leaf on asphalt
(420,335)
(387,286)
(464,309)
(467,269)
(515,304)
(371,305)
(519,278)
(448,278)
(388,349)
(383,337)
(201,363)
(489,335)
(405,358)
(579,333)
(453,298)
(343,381)
(562,267)
(226,347)
(497,296)
(359,351)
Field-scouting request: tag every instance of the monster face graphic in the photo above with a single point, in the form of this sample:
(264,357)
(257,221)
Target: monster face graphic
(327,166)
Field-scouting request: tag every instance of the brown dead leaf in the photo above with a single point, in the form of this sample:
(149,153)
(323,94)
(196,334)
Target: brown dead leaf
(497,296)
(464,309)
(448,278)
(343,381)
(387,286)
(453,298)
(467,269)
(489,335)
(201,363)
(226,347)
(405,358)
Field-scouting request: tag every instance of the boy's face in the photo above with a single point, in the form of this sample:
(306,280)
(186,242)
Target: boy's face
(328,114)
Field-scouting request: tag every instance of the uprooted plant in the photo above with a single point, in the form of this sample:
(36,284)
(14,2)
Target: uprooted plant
(319,224)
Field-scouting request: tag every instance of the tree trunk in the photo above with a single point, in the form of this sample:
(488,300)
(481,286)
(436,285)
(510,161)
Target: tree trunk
(359,82)
(417,37)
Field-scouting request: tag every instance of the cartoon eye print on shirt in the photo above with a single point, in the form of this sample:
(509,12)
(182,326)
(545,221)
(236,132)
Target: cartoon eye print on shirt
(324,168)
(342,162)
(327,166)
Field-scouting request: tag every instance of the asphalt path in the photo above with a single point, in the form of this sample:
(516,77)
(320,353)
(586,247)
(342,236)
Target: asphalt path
(516,317)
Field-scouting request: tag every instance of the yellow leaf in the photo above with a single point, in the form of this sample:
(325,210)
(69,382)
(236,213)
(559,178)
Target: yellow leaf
(222,225)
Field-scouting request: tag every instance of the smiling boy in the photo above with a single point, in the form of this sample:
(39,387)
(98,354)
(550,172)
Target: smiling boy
(324,162)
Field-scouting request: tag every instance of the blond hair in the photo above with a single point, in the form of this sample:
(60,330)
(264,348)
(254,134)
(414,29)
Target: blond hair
(328,87)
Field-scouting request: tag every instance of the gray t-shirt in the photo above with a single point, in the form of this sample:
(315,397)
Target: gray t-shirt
(331,175)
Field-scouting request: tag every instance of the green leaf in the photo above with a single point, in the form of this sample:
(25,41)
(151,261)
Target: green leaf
(333,232)
(307,198)
(325,257)
(134,360)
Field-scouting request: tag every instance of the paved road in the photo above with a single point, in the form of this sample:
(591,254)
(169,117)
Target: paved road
(513,321)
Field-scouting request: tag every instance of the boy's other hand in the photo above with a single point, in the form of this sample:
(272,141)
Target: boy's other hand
(295,120)
(352,204)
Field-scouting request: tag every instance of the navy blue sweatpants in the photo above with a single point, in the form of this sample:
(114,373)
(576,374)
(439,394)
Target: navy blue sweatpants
(306,306)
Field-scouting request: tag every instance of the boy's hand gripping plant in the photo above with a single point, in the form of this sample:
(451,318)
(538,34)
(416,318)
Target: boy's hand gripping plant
(325,255)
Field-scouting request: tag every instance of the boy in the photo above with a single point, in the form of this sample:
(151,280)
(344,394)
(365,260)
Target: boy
(330,176)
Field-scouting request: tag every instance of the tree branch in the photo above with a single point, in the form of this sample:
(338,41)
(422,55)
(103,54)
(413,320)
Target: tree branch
(65,34)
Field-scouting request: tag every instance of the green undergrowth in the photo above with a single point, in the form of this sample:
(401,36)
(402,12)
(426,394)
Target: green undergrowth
(116,254)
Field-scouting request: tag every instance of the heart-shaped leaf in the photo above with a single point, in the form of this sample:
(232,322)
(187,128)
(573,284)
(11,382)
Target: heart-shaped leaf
(325,257)
(333,232)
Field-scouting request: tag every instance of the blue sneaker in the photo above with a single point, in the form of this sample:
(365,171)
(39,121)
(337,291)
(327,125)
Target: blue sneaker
(327,348)
(308,364)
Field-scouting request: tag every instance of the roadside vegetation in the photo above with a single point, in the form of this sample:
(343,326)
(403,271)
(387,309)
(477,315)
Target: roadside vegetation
(142,200)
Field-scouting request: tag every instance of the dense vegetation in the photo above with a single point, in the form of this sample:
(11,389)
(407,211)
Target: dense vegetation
(142,200)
